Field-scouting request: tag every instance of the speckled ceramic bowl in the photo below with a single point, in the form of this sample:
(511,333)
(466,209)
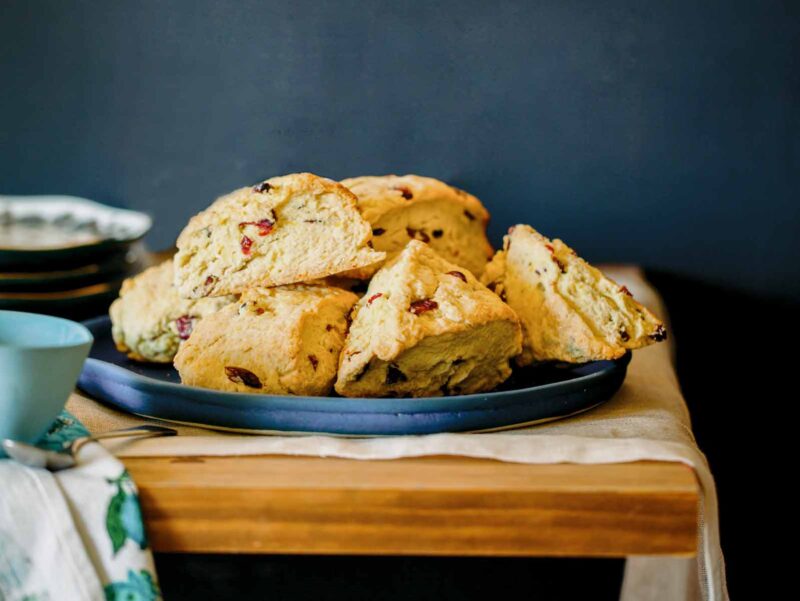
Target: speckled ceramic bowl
(40,233)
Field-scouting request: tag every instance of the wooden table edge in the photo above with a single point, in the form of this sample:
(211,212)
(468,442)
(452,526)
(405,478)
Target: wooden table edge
(451,506)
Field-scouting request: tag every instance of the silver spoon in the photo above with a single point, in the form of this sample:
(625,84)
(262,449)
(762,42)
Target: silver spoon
(32,456)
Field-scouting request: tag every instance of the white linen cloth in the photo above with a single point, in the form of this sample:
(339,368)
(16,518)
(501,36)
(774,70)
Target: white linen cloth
(74,535)
(646,420)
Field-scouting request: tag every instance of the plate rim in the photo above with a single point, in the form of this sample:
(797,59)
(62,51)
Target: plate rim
(83,292)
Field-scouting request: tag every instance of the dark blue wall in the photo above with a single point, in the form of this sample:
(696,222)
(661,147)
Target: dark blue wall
(665,133)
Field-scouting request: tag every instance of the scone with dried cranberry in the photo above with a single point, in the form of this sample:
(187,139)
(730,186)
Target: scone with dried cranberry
(427,327)
(570,311)
(289,229)
(283,340)
(409,207)
(149,320)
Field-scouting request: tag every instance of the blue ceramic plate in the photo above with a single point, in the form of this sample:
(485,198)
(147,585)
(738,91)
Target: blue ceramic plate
(531,395)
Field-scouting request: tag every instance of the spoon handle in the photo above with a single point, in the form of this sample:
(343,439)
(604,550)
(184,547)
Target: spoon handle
(145,431)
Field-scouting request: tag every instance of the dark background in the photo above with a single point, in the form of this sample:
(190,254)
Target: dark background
(662,133)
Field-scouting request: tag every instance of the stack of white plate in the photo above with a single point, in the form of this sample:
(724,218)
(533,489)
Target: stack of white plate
(66,256)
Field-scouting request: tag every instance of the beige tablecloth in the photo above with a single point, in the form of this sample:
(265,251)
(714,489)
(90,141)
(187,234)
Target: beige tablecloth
(646,420)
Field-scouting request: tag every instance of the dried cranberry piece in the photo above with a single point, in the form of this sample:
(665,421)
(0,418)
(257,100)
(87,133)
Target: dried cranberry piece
(314,361)
(246,244)
(328,327)
(394,375)
(239,375)
(624,290)
(373,297)
(660,334)
(204,289)
(262,187)
(437,233)
(469,215)
(259,311)
(550,248)
(417,234)
(265,226)
(421,306)
(184,325)
(378,231)
(458,275)
(560,265)
(404,191)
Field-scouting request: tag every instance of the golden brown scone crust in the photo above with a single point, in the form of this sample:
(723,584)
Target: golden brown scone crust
(426,327)
(410,207)
(283,340)
(569,310)
(288,229)
(149,320)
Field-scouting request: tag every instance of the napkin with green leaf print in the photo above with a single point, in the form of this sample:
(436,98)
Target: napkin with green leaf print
(76,534)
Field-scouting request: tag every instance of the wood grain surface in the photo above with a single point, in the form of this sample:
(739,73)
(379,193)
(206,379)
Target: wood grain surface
(424,506)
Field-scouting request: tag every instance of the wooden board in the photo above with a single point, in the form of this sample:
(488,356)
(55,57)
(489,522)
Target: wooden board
(426,506)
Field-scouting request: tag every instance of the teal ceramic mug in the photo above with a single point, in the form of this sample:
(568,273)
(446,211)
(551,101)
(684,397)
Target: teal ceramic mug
(40,360)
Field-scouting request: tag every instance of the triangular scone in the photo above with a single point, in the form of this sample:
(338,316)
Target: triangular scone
(283,340)
(569,310)
(287,229)
(426,327)
(409,207)
(149,320)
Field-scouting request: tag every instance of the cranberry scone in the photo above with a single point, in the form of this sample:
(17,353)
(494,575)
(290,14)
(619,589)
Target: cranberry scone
(570,311)
(427,327)
(411,207)
(150,320)
(285,230)
(283,340)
